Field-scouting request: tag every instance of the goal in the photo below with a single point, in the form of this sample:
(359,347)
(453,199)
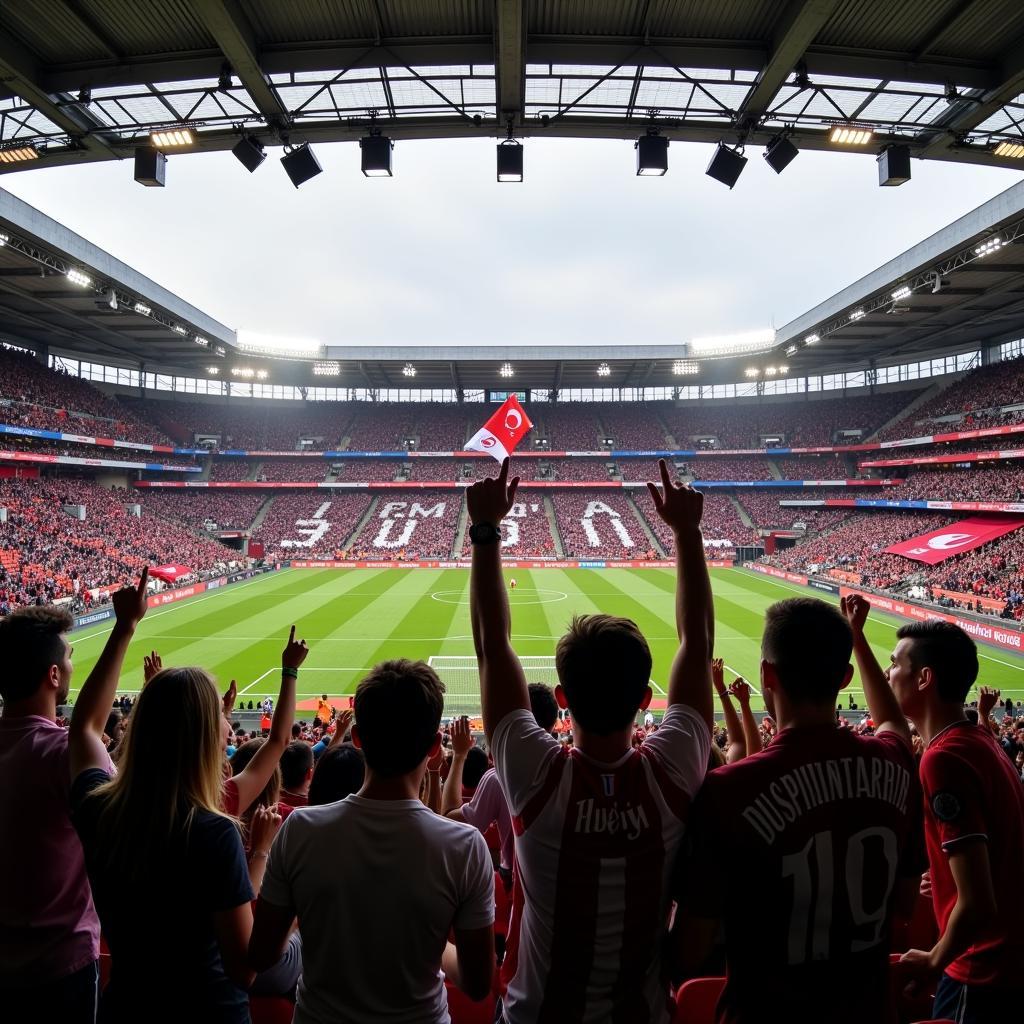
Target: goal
(462,680)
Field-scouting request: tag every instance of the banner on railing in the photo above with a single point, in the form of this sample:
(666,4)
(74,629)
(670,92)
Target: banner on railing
(74,460)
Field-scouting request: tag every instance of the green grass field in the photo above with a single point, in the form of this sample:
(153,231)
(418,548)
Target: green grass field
(353,618)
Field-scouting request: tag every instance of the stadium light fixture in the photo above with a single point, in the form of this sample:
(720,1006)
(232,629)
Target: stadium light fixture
(733,344)
(812,339)
(903,292)
(375,154)
(783,368)
(327,368)
(894,165)
(510,158)
(780,153)
(142,309)
(651,154)
(857,314)
(989,246)
(604,370)
(76,276)
(150,167)
(4,239)
(726,165)
(770,371)
(18,154)
(172,138)
(752,371)
(300,164)
(505,370)
(408,370)
(201,341)
(791,350)
(249,152)
(243,371)
(178,329)
(1011,149)
(262,374)
(850,135)
(213,369)
(685,367)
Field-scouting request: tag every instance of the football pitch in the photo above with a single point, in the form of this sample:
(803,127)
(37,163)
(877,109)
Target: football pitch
(354,618)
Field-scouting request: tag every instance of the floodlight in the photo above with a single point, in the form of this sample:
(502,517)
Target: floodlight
(77,277)
(178,329)
(989,246)
(651,154)
(213,369)
(903,292)
(142,309)
(685,367)
(200,340)
(769,371)
(505,370)
(408,370)
(780,153)
(172,138)
(327,368)
(812,339)
(894,165)
(850,135)
(510,161)
(4,239)
(791,350)
(150,167)
(604,370)
(857,314)
(300,164)
(726,165)
(262,374)
(18,154)
(752,371)
(1011,149)
(783,368)
(243,371)
(376,155)
(249,152)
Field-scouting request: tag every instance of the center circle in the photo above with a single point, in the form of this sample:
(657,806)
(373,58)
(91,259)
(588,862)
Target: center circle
(543,596)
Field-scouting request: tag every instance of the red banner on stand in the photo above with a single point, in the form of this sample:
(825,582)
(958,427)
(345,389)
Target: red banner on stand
(938,545)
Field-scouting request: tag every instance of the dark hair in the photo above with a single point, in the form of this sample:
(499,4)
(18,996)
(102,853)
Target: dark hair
(30,642)
(948,651)
(604,666)
(338,774)
(809,643)
(238,761)
(474,768)
(296,731)
(113,720)
(543,705)
(398,710)
(296,760)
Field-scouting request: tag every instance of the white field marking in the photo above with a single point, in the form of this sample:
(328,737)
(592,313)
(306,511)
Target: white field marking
(753,688)
(658,689)
(891,625)
(441,596)
(409,639)
(271,671)
(199,600)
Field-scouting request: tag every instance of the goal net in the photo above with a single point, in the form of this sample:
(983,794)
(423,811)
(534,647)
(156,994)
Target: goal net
(462,680)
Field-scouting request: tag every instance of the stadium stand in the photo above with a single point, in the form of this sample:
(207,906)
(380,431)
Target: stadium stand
(568,427)
(599,524)
(628,430)
(726,468)
(526,531)
(410,525)
(293,470)
(228,470)
(314,522)
(813,467)
(224,510)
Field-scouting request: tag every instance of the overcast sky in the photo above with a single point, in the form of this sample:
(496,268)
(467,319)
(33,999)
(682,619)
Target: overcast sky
(582,251)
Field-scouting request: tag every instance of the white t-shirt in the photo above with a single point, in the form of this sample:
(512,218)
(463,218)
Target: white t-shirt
(376,886)
(596,845)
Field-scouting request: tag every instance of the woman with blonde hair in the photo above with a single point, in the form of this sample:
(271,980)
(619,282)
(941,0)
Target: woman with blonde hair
(166,864)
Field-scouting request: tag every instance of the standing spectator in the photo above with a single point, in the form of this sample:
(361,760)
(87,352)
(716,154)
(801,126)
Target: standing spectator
(346,868)
(49,932)
(974,828)
(296,773)
(597,826)
(157,827)
(819,825)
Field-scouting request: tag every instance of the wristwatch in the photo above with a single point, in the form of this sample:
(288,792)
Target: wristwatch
(484,533)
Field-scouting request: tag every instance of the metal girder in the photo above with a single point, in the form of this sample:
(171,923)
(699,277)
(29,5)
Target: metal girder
(510,59)
(796,29)
(228,25)
(969,112)
(20,73)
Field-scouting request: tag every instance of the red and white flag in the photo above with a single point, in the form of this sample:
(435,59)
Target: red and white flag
(170,573)
(938,545)
(499,436)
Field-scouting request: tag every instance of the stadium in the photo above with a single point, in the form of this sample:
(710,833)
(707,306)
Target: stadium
(866,449)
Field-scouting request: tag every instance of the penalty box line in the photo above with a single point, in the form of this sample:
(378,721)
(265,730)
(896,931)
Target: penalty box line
(271,671)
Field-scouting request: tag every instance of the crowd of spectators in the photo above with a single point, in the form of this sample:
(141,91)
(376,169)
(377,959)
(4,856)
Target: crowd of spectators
(813,467)
(631,428)
(367,470)
(440,470)
(599,524)
(319,521)
(726,467)
(767,512)
(307,470)
(983,481)
(202,508)
(724,529)
(385,426)
(568,428)
(526,532)
(232,470)
(410,525)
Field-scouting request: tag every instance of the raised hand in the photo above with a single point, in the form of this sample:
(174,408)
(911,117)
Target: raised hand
(130,602)
(488,501)
(229,698)
(436,761)
(718,675)
(678,504)
(987,700)
(265,824)
(462,737)
(295,651)
(740,689)
(342,724)
(151,664)
(856,609)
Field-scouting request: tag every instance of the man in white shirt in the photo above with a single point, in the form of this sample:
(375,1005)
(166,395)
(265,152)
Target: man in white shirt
(597,828)
(377,881)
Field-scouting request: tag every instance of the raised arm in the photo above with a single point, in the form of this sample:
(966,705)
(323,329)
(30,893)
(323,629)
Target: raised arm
(883,706)
(256,774)
(988,698)
(740,689)
(502,682)
(85,739)
(462,744)
(737,746)
(680,507)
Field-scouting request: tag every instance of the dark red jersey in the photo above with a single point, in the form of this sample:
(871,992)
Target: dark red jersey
(797,849)
(972,793)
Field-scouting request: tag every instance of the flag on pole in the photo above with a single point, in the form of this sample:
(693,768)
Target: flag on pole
(499,436)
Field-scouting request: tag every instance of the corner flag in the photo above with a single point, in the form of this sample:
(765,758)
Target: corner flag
(499,436)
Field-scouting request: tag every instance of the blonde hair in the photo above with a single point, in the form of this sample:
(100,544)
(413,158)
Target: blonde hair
(170,769)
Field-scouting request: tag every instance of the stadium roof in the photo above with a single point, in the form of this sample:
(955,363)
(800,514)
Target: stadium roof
(964,288)
(90,81)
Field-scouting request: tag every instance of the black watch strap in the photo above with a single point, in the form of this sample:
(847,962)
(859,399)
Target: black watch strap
(484,533)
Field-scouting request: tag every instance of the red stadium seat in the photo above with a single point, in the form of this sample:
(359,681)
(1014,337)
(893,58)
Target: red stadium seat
(271,1009)
(696,1000)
